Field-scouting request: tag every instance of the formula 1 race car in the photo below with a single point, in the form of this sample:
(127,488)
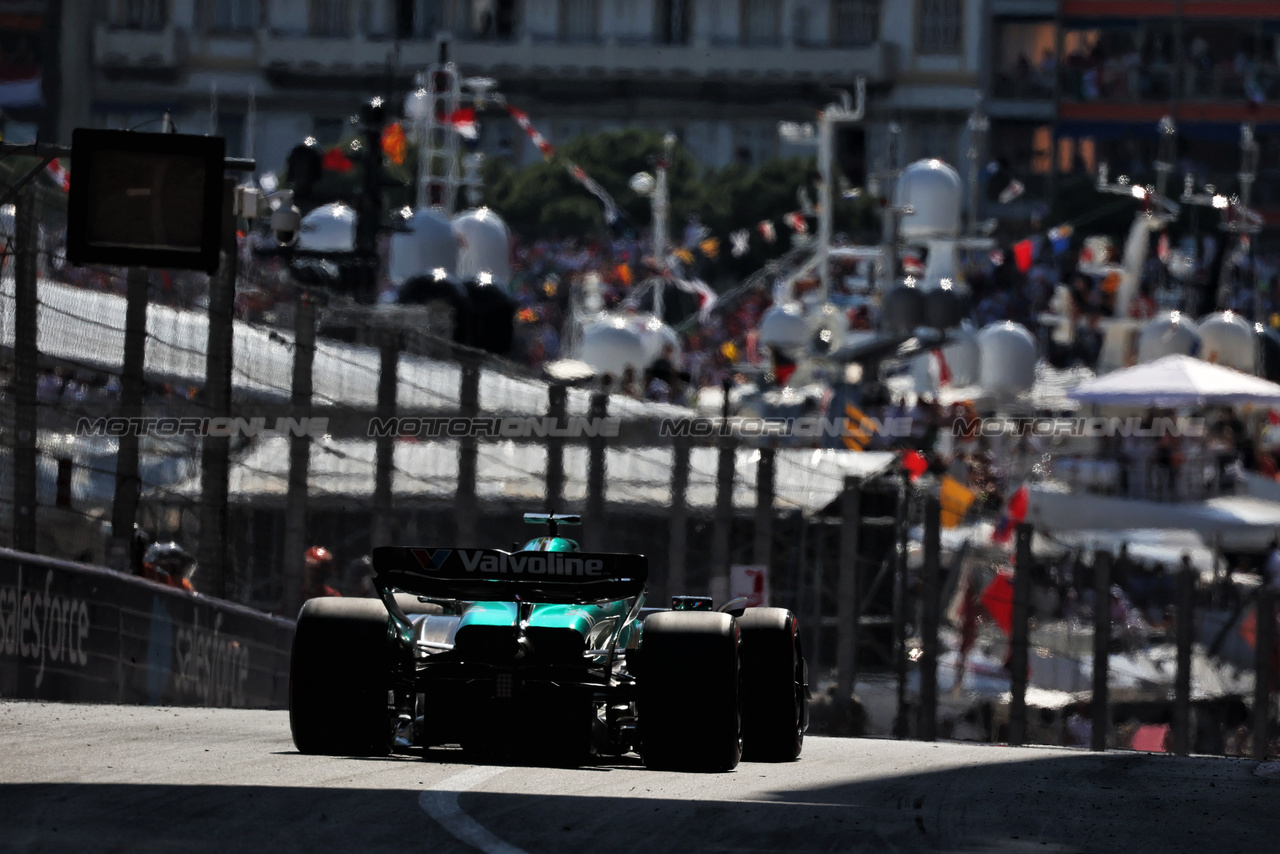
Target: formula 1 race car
(547,652)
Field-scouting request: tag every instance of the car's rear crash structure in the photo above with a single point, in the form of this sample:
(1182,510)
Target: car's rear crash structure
(546,652)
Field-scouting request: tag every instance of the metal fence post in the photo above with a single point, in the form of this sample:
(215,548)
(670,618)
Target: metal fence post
(26,357)
(1182,682)
(722,529)
(215,454)
(848,588)
(1263,645)
(761,552)
(1018,640)
(1101,649)
(929,608)
(557,404)
(124,511)
(678,530)
(465,505)
(900,723)
(295,513)
(594,534)
(385,443)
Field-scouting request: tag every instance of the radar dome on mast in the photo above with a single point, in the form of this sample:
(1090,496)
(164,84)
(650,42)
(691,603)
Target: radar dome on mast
(1227,339)
(428,244)
(1168,334)
(611,344)
(484,246)
(1007,358)
(328,228)
(784,326)
(932,190)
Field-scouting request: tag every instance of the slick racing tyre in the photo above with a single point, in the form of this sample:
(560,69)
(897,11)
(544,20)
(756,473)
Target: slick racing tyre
(338,678)
(774,705)
(688,691)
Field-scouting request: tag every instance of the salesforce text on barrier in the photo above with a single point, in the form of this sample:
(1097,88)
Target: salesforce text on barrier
(39,625)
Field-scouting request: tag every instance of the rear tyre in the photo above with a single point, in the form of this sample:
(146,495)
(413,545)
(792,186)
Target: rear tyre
(338,678)
(688,709)
(774,705)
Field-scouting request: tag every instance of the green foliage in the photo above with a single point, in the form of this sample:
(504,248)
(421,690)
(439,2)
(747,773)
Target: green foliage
(543,199)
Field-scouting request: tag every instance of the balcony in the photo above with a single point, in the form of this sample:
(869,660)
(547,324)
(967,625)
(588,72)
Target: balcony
(136,49)
(294,54)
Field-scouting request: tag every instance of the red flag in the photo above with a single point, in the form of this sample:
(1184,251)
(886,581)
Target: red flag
(915,464)
(394,143)
(944,370)
(59,174)
(998,600)
(1017,509)
(336,161)
(1023,253)
(463,120)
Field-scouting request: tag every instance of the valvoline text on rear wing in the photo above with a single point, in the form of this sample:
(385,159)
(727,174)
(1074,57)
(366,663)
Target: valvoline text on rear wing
(492,574)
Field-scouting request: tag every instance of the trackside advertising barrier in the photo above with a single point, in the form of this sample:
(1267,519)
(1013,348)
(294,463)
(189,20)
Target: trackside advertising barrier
(77,633)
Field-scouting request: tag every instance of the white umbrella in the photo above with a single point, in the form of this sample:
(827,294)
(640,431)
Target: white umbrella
(1177,381)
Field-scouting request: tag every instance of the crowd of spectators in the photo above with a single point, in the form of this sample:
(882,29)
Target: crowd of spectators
(1128,66)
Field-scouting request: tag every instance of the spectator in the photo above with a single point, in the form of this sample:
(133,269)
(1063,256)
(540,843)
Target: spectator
(317,574)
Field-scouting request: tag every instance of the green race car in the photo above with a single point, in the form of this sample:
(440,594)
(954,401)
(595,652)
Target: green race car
(547,652)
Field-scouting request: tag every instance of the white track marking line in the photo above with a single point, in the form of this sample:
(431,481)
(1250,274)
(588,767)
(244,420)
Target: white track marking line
(440,801)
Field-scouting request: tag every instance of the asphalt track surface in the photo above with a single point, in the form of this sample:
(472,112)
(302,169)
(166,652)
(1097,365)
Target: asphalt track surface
(122,778)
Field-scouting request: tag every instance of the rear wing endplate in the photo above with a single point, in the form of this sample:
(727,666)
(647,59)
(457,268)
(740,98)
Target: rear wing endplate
(493,575)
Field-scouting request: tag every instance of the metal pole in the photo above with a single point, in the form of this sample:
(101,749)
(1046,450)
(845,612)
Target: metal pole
(900,723)
(125,509)
(216,450)
(1018,641)
(594,535)
(1263,646)
(929,607)
(763,545)
(723,526)
(26,357)
(825,130)
(678,519)
(557,397)
(465,506)
(1182,684)
(295,512)
(847,592)
(889,249)
(661,211)
(385,445)
(1101,648)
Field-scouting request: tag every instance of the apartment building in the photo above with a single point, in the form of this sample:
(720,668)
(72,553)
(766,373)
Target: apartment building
(1076,82)
(719,73)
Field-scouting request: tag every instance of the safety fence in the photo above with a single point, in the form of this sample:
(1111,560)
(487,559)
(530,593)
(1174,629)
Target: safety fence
(1097,647)
(248,420)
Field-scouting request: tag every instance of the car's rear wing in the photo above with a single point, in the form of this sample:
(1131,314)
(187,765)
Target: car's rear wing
(492,574)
